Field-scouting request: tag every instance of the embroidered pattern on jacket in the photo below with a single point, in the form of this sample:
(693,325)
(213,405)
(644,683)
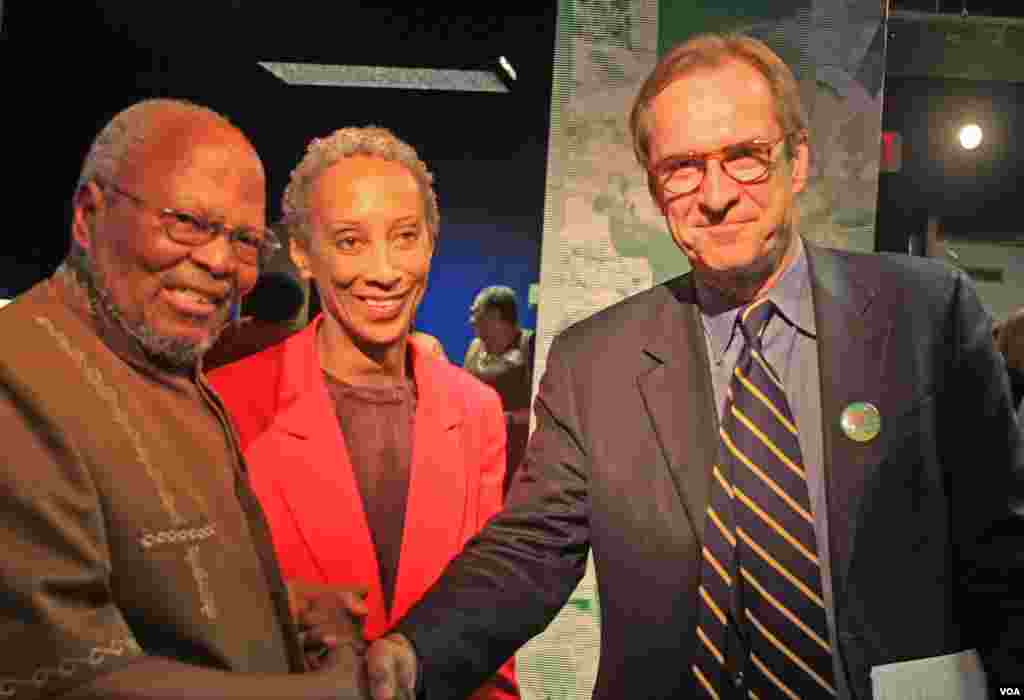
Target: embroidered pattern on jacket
(208,607)
(180,536)
(108,394)
(68,667)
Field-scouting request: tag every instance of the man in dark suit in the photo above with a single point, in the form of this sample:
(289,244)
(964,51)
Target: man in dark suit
(908,457)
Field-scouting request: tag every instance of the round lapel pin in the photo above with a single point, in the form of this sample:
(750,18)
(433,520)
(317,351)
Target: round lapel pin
(861,421)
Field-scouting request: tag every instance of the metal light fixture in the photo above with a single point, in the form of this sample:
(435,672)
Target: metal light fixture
(387,77)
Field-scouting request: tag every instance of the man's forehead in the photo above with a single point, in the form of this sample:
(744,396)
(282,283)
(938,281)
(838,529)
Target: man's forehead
(175,138)
(184,148)
(711,107)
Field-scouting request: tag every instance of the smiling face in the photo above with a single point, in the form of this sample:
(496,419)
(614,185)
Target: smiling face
(368,251)
(737,237)
(174,299)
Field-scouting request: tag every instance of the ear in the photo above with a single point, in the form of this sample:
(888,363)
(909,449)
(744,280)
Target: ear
(432,237)
(87,204)
(300,257)
(801,164)
(652,187)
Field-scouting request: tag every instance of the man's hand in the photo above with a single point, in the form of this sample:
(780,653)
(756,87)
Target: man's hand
(327,616)
(391,666)
(343,668)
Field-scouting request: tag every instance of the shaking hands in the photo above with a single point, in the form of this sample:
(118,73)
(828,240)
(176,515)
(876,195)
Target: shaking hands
(330,621)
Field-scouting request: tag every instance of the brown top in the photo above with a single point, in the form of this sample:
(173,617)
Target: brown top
(510,373)
(377,424)
(128,525)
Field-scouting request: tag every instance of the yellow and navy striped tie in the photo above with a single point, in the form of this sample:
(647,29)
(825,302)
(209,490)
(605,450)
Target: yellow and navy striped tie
(761,627)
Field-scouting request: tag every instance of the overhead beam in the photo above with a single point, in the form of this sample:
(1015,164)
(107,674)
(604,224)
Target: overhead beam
(386,77)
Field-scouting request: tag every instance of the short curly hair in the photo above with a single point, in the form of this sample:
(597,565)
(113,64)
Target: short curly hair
(322,153)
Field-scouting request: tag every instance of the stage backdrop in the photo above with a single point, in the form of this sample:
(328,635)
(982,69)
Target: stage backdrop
(603,238)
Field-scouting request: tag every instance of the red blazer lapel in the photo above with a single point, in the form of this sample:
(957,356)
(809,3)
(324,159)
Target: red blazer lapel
(435,517)
(316,485)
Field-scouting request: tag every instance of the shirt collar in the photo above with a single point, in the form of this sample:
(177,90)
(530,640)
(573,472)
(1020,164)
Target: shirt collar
(72,292)
(791,295)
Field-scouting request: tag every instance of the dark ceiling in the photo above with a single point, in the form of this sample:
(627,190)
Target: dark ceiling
(68,68)
(943,71)
(990,8)
(83,62)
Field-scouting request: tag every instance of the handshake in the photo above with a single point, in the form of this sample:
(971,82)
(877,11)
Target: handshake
(330,620)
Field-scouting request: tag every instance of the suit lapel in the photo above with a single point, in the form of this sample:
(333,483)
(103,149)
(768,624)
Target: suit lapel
(318,483)
(435,515)
(853,330)
(679,397)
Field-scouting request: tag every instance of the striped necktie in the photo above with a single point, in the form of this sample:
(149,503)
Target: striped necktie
(762,631)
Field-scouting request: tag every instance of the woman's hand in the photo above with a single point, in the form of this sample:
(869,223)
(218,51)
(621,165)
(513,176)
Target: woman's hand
(327,616)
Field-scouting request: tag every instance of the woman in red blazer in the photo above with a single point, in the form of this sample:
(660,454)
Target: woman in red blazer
(374,460)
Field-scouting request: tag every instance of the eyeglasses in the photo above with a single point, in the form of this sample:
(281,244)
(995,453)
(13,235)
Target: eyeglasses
(252,246)
(747,163)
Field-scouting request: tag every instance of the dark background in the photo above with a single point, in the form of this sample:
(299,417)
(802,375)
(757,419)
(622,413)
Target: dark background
(67,70)
(941,72)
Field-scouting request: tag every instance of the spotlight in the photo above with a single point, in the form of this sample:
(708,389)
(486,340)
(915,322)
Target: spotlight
(970,136)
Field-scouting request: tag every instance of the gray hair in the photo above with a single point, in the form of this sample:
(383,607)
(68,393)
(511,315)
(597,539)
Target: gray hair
(128,130)
(322,153)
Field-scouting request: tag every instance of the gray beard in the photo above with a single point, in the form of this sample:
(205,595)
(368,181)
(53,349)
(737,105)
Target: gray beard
(171,353)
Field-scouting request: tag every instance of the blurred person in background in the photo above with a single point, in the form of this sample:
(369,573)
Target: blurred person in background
(269,314)
(501,355)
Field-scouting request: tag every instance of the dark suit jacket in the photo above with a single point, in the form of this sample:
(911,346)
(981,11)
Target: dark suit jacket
(922,535)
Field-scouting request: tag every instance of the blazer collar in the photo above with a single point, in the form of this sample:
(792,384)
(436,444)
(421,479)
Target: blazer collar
(677,392)
(302,382)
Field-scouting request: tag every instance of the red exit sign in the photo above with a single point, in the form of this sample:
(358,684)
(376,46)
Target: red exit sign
(891,159)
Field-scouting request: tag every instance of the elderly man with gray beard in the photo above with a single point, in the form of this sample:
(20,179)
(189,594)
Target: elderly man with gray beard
(137,563)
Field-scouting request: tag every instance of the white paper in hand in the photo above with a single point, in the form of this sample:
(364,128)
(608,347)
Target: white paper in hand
(952,677)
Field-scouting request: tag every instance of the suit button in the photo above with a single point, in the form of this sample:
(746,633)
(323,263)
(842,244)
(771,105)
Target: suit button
(739,680)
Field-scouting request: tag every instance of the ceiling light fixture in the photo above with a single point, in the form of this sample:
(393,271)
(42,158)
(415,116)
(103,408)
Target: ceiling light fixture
(386,77)
(970,136)
(509,70)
